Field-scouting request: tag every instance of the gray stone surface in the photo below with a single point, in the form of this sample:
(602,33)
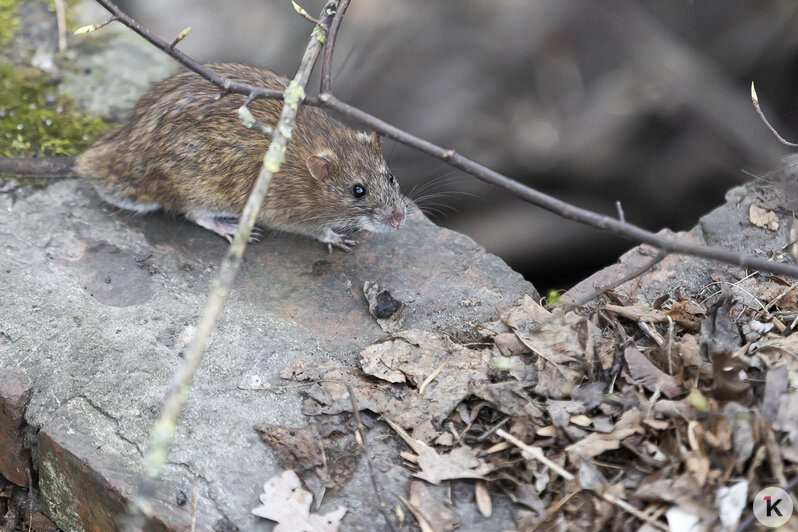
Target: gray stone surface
(97,306)
(728,226)
(108,70)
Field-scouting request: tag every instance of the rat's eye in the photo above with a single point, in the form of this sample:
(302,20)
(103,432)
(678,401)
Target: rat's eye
(390,178)
(359,191)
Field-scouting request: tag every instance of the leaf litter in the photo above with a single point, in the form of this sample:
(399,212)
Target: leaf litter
(616,416)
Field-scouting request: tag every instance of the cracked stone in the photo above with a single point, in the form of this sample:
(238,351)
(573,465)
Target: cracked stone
(15,392)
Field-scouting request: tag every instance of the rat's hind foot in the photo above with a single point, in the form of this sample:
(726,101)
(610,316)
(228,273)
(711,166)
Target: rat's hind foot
(333,239)
(224,226)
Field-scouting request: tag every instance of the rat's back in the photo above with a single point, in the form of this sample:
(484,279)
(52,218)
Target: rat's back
(183,147)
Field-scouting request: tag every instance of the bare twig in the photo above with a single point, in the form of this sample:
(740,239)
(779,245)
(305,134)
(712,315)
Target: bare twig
(566,210)
(30,499)
(626,230)
(363,442)
(537,454)
(637,272)
(432,376)
(755,100)
(60,17)
(162,432)
(329,48)
(190,63)
(619,208)
(194,499)
(304,14)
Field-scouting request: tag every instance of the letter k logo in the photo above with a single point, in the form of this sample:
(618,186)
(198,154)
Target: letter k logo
(772,507)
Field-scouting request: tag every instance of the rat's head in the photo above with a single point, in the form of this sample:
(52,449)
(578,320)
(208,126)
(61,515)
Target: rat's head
(356,181)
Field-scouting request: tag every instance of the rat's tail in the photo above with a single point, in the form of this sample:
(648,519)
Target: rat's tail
(37,166)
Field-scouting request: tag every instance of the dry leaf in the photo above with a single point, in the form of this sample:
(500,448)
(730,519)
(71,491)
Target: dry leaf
(295,449)
(731,503)
(650,376)
(482,496)
(414,355)
(462,462)
(598,442)
(467,368)
(285,502)
(604,349)
(425,432)
(689,351)
(763,218)
(509,344)
(439,517)
(562,360)
(727,368)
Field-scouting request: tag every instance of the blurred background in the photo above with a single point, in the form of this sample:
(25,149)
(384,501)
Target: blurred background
(642,102)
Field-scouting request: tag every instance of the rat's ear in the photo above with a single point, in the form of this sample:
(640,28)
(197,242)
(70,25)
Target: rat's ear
(376,141)
(320,166)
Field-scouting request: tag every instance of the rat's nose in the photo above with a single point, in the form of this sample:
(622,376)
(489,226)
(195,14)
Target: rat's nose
(395,220)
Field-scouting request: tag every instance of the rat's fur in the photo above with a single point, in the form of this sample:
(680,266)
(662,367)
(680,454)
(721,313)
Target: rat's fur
(184,149)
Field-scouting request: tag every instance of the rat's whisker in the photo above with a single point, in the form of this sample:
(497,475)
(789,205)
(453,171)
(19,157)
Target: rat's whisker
(431,186)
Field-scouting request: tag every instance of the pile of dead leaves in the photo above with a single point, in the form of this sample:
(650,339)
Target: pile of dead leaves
(625,417)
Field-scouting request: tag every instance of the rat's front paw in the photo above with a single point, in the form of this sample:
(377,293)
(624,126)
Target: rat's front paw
(333,239)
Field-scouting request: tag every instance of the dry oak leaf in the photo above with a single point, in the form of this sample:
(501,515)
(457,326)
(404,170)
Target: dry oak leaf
(285,502)
(415,357)
(561,358)
(462,462)
(598,442)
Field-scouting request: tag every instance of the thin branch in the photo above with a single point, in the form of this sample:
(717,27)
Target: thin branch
(619,208)
(626,230)
(60,17)
(187,61)
(363,442)
(537,454)
(755,100)
(162,432)
(304,14)
(329,48)
(637,272)
(563,209)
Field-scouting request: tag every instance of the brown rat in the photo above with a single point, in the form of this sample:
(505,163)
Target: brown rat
(184,149)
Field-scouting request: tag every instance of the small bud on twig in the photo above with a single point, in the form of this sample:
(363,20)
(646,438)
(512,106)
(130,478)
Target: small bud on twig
(249,121)
(93,27)
(180,37)
(299,9)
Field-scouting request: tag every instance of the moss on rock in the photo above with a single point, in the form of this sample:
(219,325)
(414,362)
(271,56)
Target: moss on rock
(35,120)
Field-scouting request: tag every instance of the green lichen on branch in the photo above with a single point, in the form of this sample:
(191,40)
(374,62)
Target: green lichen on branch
(37,121)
